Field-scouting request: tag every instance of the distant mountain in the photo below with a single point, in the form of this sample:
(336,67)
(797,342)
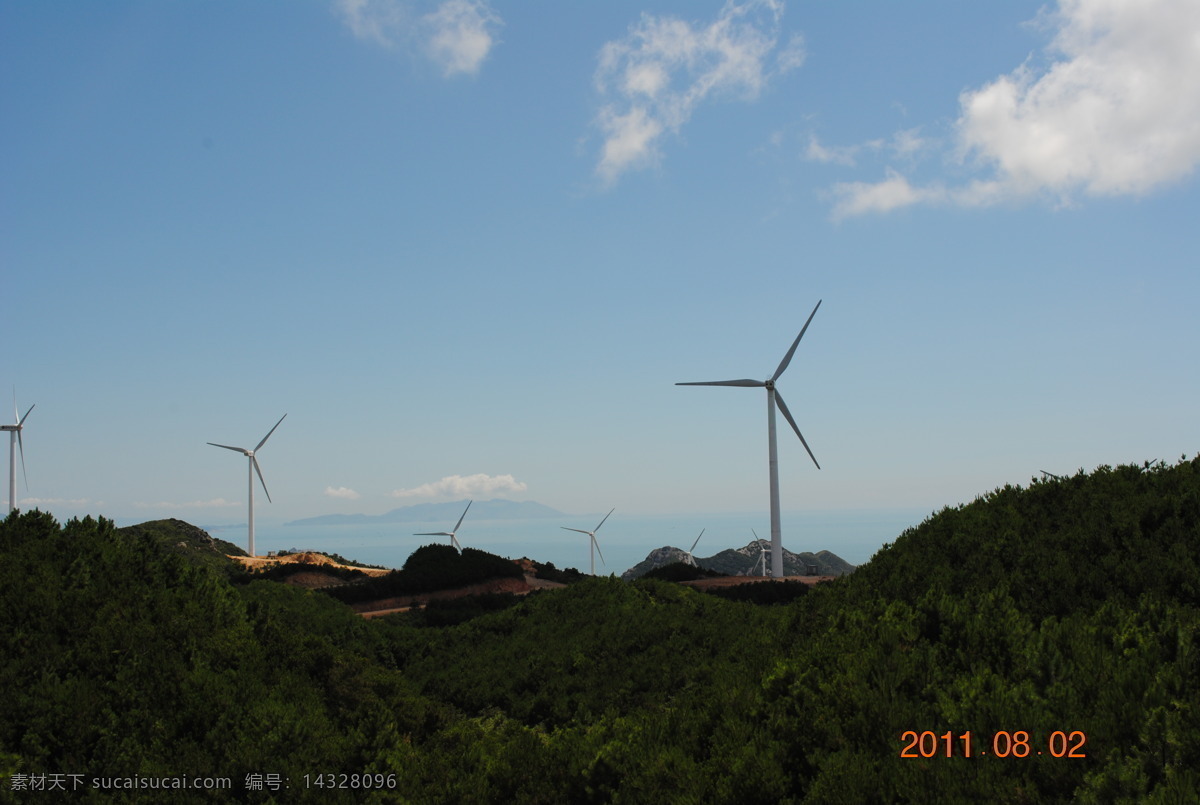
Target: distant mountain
(433,512)
(740,561)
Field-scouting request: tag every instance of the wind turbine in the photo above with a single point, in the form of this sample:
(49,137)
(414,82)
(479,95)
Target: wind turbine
(450,534)
(691,560)
(253,469)
(772,455)
(762,557)
(14,440)
(593,546)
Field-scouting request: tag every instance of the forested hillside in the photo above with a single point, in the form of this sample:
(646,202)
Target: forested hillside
(1059,619)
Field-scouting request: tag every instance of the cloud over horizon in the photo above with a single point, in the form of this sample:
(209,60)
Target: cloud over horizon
(215,503)
(26,502)
(1115,112)
(454,486)
(457,35)
(654,78)
(342,492)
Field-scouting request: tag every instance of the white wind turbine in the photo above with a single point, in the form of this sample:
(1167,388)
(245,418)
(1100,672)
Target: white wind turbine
(593,546)
(762,557)
(450,534)
(252,470)
(14,441)
(691,560)
(772,457)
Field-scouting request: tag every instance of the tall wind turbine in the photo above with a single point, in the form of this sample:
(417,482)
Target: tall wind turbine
(252,470)
(450,534)
(691,560)
(773,398)
(14,440)
(593,546)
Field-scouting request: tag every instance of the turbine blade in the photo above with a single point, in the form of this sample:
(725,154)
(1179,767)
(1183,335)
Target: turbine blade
(254,461)
(597,528)
(21,445)
(455,543)
(464,514)
(268,436)
(241,450)
(580,530)
(746,383)
(788,415)
(433,534)
(597,544)
(22,421)
(788,357)
(697,542)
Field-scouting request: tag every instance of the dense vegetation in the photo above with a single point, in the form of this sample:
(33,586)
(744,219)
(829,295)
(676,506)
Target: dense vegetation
(680,571)
(1070,606)
(431,567)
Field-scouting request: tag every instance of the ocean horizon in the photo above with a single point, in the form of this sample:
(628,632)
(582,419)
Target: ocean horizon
(854,535)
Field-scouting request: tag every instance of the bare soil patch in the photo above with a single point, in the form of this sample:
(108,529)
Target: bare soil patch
(307,558)
(403,603)
(732,581)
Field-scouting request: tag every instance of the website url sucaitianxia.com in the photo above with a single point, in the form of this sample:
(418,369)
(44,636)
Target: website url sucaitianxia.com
(79,782)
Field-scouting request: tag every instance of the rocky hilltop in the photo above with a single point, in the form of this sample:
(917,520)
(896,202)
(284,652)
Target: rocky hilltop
(742,561)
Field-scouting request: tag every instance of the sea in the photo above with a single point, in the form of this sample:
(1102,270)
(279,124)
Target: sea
(854,535)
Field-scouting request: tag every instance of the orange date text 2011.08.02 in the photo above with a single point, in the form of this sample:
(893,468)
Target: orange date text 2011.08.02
(1002,743)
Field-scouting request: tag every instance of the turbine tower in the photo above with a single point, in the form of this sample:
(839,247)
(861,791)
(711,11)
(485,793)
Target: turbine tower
(252,470)
(691,560)
(773,398)
(593,546)
(14,441)
(450,534)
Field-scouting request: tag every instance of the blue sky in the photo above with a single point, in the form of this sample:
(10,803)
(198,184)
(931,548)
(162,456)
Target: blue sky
(469,248)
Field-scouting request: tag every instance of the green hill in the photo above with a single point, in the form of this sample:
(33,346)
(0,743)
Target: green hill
(1030,624)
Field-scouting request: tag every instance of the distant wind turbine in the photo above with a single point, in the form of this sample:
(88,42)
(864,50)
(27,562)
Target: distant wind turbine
(14,441)
(762,557)
(772,455)
(254,468)
(450,534)
(691,560)
(593,546)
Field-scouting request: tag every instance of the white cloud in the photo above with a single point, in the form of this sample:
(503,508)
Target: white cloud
(27,502)
(382,21)
(907,143)
(341,492)
(215,503)
(837,154)
(1118,114)
(460,35)
(457,35)
(1115,112)
(856,198)
(656,77)
(469,486)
